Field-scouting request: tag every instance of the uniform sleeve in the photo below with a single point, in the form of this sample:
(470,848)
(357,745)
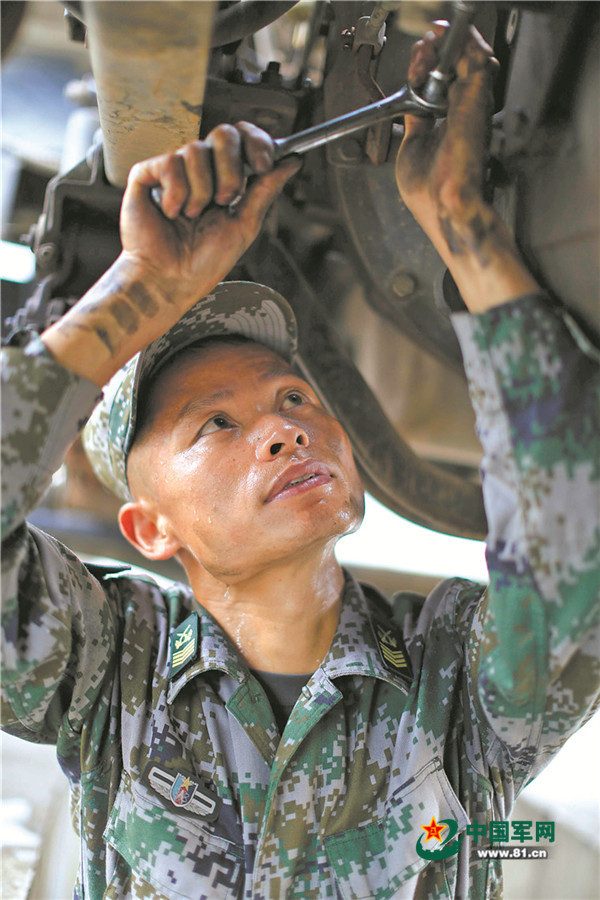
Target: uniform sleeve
(57,625)
(533,649)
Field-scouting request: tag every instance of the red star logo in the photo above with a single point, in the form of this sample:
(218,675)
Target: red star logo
(433,830)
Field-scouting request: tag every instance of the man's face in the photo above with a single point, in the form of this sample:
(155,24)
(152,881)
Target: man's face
(242,464)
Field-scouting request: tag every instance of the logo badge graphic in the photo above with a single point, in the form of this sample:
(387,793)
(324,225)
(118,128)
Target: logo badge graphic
(183,790)
(446,846)
(189,796)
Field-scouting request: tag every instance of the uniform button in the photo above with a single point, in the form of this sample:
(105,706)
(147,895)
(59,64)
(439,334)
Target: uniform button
(306,692)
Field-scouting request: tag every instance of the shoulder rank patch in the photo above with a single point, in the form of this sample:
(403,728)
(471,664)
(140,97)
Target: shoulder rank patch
(392,649)
(183,792)
(183,645)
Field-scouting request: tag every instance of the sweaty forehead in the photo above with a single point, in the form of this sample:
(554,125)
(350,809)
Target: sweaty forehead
(212,368)
(223,362)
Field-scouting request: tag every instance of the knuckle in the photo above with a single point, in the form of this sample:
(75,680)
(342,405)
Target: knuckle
(190,150)
(171,165)
(249,128)
(224,134)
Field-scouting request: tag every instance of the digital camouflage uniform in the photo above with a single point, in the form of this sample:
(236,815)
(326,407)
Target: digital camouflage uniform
(183,786)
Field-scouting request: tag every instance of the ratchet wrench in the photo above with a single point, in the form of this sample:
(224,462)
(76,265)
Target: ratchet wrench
(430,101)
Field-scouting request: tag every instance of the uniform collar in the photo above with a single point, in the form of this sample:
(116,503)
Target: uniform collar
(366,642)
(209,648)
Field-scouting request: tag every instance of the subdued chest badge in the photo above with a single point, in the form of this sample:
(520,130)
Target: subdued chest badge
(184,793)
(392,649)
(183,645)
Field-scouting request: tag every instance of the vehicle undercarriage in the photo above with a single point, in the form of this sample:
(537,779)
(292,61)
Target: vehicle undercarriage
(370,293)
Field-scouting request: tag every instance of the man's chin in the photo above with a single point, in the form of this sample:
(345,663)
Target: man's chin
(328,521)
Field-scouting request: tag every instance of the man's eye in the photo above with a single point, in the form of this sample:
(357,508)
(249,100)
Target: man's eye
(294,398)
(216,423)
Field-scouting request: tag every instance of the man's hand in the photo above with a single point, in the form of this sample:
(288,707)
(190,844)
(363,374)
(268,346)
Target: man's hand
(439,169)
(439,173)
(174,255)
(195,239)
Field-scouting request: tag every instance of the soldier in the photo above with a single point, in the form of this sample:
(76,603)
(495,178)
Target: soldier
(273,730)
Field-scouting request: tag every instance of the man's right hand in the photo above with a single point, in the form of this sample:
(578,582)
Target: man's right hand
(196,238)
(175,255)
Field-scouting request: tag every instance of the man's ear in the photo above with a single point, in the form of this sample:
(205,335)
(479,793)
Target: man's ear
(149,535)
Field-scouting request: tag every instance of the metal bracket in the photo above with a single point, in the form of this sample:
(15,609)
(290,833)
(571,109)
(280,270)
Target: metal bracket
(370,30)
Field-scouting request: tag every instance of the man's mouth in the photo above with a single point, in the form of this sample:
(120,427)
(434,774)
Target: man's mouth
(299,478)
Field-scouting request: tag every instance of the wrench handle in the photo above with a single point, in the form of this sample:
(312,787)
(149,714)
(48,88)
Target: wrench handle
(333,129)
(455,40)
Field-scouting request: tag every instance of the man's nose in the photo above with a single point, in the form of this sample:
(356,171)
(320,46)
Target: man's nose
(276,434)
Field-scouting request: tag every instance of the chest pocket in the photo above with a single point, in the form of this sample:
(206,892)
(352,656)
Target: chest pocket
(172,853)
(381,860)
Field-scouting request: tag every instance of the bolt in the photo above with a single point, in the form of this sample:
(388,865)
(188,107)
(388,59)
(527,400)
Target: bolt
(272,75)
(347,37)
(349,150)
(45,255)
(403,283)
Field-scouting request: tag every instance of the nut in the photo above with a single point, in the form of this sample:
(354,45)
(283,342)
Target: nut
(403,283)
(45,255)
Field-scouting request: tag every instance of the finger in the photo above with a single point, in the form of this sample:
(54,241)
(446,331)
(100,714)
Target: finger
(469,96)
(258,147)
(166,171)
(225,142)
(259,197)
(477,55)
(197,160)
(425,55)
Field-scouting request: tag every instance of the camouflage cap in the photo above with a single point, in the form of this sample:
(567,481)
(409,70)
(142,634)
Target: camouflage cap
(234,307)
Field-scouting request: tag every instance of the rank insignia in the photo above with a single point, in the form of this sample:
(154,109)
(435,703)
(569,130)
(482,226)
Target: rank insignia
(391,647)
(184,793)
(184,644)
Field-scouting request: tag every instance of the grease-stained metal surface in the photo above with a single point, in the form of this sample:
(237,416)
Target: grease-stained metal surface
(149,61)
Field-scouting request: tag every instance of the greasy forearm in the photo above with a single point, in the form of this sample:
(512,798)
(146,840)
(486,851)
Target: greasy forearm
(121,314)
(480,254)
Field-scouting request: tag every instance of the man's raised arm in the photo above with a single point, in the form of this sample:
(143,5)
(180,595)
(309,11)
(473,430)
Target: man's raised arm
(531,644)
(171,258)
(58,622)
